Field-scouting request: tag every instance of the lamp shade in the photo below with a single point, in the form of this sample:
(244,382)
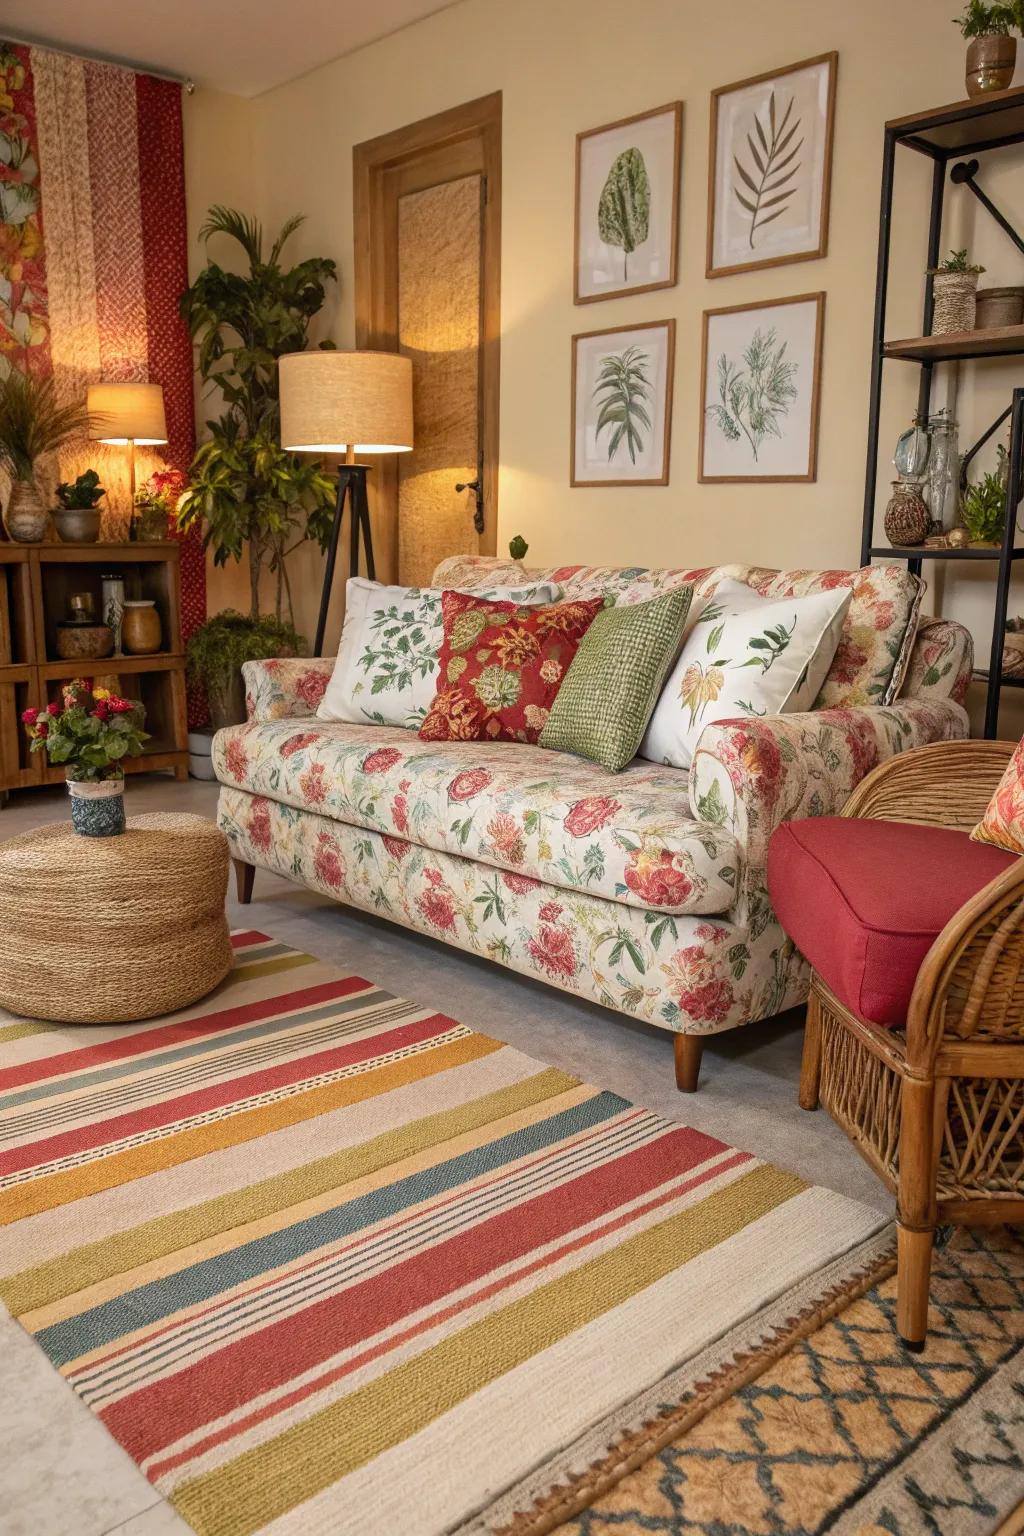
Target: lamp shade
(331,401)
(127,413)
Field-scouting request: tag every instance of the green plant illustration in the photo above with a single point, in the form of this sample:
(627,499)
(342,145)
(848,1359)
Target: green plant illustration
(754,400)
(767,183)
(624,208)
(620,393)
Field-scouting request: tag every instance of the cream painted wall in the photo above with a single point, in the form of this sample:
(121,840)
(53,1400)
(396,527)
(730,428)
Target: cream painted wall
(566,65)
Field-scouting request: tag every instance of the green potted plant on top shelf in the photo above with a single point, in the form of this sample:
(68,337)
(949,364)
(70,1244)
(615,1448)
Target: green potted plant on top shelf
(32,422)
(216,650)
(77,518)
(992,50)
(954,290)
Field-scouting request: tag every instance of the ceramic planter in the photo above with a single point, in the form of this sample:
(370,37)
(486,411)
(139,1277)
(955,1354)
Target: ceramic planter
(140,627)
(77,525)
(991,60)
(26,513)
(97,810)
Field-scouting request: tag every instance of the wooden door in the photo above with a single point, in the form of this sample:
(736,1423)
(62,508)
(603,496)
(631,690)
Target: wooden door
(427,282)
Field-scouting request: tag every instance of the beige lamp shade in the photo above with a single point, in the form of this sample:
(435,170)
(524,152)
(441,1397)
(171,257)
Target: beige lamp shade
(127,413)
(333,401)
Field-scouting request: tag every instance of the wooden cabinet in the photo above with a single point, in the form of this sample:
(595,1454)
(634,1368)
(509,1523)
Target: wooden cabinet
(36,581)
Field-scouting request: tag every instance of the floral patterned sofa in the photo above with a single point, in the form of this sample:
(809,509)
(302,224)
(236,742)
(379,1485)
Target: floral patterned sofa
(643,891)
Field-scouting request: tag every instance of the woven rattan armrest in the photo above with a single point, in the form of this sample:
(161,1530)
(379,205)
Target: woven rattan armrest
(947,783)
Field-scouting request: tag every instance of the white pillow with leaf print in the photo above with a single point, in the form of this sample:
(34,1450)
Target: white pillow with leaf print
(745,655)
(386,670)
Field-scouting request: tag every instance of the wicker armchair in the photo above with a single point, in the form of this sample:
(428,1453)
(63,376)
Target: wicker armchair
(937,1109)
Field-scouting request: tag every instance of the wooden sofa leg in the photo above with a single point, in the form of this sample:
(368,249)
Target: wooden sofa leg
(915,1208)
(689,1049)
(810,1064)
(245,874)
(913,1277)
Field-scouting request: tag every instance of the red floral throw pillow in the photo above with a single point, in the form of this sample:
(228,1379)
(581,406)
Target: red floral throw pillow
(500,667)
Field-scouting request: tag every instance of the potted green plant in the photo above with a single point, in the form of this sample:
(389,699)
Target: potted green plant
(216,650)
(954,290)
(90,732)
(32,423)
(156,503)
(77,518)
(251,498)
(992,50)
(983,509)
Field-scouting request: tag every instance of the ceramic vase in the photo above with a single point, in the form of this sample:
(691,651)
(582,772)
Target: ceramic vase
(991,60)
(140,628)
(77,525)
(97,809)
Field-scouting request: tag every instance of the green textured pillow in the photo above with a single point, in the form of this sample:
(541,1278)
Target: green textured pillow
(602,709)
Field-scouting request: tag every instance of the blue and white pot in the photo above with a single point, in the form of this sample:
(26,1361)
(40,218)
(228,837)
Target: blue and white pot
(97,810)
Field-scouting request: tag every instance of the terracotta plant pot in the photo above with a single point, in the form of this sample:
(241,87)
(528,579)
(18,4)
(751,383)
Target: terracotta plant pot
(77,525)
(27,516)
(990,63)
(140,628)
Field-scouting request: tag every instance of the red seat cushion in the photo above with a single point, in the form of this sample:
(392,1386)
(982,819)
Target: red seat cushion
(865,900)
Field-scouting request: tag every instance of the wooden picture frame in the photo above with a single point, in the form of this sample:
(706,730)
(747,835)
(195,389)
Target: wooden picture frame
(666,164)
(780,245)
(658,445)
(739,436)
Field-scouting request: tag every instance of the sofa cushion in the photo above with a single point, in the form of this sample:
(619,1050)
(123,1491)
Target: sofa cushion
(865,900)
(545,816)
(878,631)
(1003,822)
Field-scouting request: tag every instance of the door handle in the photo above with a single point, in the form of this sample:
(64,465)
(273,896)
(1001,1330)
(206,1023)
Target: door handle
(478,494)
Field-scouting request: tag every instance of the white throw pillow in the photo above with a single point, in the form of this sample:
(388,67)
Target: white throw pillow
(745,655)
(386,669)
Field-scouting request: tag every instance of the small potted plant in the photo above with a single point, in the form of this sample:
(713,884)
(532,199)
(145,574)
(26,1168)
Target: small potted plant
(156,503)
(983,509)
(90,732)
(215,652)
(77,518)
(992,51)
(31,423)
(954,290)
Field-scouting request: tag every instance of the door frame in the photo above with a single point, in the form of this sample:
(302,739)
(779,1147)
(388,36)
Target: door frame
(375,241)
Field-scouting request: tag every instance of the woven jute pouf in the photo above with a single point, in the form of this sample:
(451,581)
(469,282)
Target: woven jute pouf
(106,930)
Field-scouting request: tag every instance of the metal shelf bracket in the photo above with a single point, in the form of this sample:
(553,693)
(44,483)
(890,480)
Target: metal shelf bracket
(962,175)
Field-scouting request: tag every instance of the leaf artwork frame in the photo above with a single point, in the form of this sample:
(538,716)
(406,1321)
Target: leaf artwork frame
(622,405)
(770,167)
(760,390)
(626,233)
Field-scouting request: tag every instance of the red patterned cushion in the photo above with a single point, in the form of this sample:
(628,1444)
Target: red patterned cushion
(500,667)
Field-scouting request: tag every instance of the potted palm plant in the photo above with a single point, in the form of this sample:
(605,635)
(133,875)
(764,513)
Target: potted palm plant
(992,51)
(32,423)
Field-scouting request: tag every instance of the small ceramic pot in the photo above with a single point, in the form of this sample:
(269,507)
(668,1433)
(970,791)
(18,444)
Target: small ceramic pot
(991,60)
(998,306)
(77,525)
(97,810)
(27,516)
(140,628)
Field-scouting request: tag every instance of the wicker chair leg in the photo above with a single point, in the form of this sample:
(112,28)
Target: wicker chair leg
(689,1049)
(810,1065)
(915,1208)
(913,1275)
(245,874)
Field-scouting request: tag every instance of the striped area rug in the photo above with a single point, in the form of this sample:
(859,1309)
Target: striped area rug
(322,1260)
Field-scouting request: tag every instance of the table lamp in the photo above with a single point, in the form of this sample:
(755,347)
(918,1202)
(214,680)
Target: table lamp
(346,402)
(127,414)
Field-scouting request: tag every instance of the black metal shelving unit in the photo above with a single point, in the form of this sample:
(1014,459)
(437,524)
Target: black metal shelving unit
(951,134)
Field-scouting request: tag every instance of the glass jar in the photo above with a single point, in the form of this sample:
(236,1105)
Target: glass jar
(942,492)
(913,448)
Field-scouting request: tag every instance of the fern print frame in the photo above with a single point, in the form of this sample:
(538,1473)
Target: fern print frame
(622,404)
(627,205)
(770,167)
(760,387)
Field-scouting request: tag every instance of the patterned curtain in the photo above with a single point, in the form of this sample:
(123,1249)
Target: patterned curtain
(93,255)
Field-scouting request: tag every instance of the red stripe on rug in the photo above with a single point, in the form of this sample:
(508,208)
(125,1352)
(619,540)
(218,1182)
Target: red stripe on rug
(251,936)
(127,1046)
(87,1138)
(147,1421)
(394,1341)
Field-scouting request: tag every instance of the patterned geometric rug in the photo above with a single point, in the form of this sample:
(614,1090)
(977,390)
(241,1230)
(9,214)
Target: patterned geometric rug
(849,1434)
(324,1260)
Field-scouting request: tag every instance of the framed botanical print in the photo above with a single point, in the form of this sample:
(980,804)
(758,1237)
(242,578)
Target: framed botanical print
(627,205)
(622,404)
(770,167)
(760,380)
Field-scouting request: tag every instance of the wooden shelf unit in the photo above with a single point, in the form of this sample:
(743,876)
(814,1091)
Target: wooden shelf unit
(959,346)
(35,583)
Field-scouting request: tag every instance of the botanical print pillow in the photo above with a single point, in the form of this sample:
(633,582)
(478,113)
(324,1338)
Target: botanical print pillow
(744,656)
(501,666)
(386,671)
(1003,821)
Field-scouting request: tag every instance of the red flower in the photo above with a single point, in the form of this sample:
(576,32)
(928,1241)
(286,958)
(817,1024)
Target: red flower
(328,866)
(29,716)
(121,706)
(311,687)
(550,912)
(236,759)
(553,951)
(53,708)
(396,846)
(42,729)
(295,744)
(438,909)
(848,662)
(381,760)
(400,813)
(468,783)
(507,838)
(709,1002)
(588,815)
(653,877)
(434,876)
(520,884)
(311,784)
(102,710)
(259,824)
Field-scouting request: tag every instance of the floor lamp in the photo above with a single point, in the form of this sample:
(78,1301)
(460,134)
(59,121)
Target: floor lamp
(127,414)
(346,402)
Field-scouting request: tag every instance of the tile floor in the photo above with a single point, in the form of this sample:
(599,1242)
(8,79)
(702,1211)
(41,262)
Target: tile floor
(61,1474)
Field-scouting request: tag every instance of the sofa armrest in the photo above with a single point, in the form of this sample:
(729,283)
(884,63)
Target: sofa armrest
(945,784)
(285,688)
(941,661)
(749,776)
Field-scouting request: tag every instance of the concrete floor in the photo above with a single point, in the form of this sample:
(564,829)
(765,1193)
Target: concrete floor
(62,1475)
